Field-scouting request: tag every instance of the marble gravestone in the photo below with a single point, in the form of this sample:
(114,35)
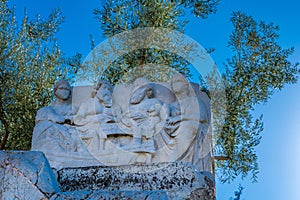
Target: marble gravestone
(159,133)
(142,123)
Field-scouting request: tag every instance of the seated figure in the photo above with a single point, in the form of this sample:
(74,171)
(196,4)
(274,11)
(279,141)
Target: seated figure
(95,118)
(179,139)
(145,114)
(55,125)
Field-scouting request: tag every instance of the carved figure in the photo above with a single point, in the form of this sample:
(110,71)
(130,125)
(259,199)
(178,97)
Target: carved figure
(55,124)
(178,140)
(144,115)
(99,105)
(95,118)
(147,123)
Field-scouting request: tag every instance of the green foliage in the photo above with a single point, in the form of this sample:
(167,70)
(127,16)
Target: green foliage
(258,66)
(124,15)
(30,62)
(200,8)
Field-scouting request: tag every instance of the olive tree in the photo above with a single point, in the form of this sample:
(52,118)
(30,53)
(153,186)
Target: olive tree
(30,62)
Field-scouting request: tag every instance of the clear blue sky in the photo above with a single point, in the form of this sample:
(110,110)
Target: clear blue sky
(279,151)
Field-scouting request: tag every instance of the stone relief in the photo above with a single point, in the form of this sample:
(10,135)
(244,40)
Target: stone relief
(141,123)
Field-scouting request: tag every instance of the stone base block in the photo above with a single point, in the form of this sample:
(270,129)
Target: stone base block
(27,175)
(178,180)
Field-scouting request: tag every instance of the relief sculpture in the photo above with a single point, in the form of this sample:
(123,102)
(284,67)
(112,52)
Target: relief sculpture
(141,123)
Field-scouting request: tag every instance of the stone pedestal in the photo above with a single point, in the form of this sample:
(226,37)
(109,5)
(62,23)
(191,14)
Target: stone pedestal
(177,180)
(27,175)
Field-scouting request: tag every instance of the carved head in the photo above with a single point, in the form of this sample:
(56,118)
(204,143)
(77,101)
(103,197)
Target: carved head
(103,92)
(62,90)
(142,89)
(179,84)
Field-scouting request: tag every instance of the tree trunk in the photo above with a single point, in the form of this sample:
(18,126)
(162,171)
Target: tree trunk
(5,124)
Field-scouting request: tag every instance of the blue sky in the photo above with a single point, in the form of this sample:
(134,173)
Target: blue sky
(279,151)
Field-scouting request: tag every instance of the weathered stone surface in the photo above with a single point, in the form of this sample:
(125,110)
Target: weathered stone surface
(26,175)
(178,180)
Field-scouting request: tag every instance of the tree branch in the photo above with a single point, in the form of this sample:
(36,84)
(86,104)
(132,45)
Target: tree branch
(221,158)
